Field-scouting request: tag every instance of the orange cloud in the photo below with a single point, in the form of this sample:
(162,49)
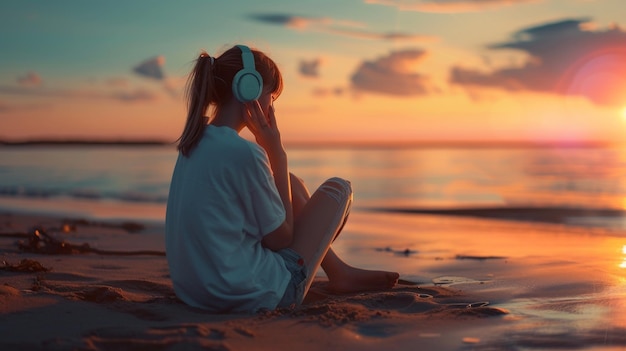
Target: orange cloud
(393,75)
(448,6)
(565,58)
(336,27)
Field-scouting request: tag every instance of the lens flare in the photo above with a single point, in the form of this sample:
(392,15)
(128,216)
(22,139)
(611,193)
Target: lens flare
(597,76)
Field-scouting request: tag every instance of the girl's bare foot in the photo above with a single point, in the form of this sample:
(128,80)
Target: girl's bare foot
(352,280)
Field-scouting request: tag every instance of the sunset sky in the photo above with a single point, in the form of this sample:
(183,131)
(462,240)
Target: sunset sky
(354,70)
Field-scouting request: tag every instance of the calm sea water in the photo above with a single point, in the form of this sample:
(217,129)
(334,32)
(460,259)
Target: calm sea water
(135,180)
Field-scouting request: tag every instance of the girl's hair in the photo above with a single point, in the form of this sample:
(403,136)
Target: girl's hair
(210,85)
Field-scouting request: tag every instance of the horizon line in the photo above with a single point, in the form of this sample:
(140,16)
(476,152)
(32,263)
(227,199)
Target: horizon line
(323,143)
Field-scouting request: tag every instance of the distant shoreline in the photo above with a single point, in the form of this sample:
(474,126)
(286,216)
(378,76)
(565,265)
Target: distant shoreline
(330,144)
(77,142)
(450,144)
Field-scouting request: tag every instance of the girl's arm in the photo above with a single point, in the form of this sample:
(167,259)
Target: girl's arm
(267,136)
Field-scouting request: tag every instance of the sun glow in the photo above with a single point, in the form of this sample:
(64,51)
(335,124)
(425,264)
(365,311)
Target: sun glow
(623,264)
(624,112)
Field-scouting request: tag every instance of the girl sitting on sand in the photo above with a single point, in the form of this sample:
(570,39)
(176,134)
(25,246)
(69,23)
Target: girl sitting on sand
(242,233)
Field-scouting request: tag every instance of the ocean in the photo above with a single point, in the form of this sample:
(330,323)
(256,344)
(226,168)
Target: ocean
(585,185)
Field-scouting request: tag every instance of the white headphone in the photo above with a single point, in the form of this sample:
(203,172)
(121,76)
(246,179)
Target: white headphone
(247,83)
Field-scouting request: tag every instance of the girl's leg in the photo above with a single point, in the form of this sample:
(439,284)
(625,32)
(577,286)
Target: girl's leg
(318,220)
(300,196)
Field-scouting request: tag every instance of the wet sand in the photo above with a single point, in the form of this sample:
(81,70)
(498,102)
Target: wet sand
(466,284)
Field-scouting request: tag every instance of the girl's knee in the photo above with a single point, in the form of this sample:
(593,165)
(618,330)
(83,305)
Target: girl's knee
(338,188)
(295,179)
(341,183)
(298,188)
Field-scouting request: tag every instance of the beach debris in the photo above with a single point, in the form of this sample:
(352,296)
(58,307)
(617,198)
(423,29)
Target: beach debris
(25,266)
(405,252)
(480,258)
(39,241)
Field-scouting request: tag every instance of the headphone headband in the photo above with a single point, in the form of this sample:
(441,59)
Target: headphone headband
(247,83)
(247,57)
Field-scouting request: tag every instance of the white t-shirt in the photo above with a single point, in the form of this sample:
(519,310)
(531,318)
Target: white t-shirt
(222,201)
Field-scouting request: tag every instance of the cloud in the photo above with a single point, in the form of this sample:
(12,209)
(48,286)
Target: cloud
(344,28)
(448,6)
(151,68)
(31,79)
(564,57)
(397,36)
(310,68)
(121,95)
(113,88)
(291,21)
(393,75)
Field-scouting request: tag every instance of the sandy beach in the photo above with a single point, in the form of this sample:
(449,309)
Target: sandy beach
(466,284)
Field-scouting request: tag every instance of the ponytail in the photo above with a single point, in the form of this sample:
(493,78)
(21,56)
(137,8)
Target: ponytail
(200,93)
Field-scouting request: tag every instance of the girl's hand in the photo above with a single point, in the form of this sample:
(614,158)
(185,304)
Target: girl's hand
(263,127)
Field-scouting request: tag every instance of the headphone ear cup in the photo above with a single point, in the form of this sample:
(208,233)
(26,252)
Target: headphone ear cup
(247,83)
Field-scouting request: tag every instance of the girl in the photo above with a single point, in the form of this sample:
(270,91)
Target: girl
(242,233)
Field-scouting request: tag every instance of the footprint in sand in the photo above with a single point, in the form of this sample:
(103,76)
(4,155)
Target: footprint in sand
(144,286)
(192,337)
(110,267)
(404,302)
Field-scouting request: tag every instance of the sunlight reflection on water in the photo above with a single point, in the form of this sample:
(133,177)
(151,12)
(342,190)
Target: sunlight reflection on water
(381,176)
